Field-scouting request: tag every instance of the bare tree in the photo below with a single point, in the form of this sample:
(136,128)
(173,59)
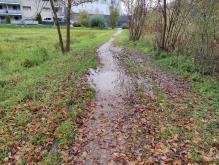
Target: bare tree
(57,26)
(203,41)
(137,12)
(68,4)
(171,25)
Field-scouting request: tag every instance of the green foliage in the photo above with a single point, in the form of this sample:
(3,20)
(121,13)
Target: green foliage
(83,18)
(114,17)
(65,132)
(125,26)
(3,83)
(76,24)
(181,63)
(39,18)
(8,20)
(97,21)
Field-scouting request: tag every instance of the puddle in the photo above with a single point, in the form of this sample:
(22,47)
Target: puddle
(109,78)
(101,133)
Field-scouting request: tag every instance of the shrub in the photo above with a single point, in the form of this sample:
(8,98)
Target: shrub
(114,17)
(8,19)
(3,83)
(83,18)
(125,26)
(97,21)
(76,24)
(28,63)
(39,18)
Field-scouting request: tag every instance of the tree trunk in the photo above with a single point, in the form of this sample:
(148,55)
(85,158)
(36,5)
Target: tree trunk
(163,42)
(68,26)
(57,26)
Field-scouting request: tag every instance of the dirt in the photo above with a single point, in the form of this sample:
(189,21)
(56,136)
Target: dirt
(100,139)
(128,126)
(151,74)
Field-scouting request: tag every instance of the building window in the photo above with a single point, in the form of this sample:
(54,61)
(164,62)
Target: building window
(15,8)
(26,7)
(16,18)
(47,19)
(57,9)
(113,2)
(46,8)
(1,7)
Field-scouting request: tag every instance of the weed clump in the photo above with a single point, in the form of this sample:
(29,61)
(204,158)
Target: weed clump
(3,83)
(37,57)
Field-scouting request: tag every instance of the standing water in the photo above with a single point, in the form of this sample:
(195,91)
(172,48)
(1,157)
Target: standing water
(101,135)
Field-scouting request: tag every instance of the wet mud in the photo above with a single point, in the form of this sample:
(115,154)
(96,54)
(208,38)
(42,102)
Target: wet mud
(100,139)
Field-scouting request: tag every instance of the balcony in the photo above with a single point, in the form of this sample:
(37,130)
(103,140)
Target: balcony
(3,11)
(14,2)
(10,12)
(13,12)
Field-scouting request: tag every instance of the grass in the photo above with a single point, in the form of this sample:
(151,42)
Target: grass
(193,119)
(43,92)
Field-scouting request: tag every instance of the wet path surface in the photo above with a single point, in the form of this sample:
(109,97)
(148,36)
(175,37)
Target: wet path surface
(131,119)
(100,138)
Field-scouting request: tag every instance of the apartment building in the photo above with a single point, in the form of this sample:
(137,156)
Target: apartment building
(30,9)
(21,11)
(25,11)
(12,9)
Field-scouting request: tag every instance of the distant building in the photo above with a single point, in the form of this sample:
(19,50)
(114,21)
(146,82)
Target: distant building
(98,7)
(25,11)
(12,9)
(101,7)
(30,9)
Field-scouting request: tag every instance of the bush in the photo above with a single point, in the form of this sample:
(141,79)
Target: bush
(8,19)
(28,63)
(125,26)
(114,17)
(97,21)
(83,18)
(76,24)
(3,83)
(39,18)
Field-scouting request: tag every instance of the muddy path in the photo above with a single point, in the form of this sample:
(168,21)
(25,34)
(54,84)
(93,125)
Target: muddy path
(101,138)
(142,114)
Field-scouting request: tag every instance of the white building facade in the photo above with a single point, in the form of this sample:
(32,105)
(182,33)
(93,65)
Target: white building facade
(101,7)
(30,9)
(20,11)
(10,8)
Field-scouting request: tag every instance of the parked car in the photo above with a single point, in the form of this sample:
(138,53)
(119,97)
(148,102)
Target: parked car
(48,20)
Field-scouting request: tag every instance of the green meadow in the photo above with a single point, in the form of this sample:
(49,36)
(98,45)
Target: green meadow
(43,92)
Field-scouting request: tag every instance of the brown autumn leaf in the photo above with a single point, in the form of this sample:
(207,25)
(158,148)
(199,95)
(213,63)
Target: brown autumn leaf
(177,162)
